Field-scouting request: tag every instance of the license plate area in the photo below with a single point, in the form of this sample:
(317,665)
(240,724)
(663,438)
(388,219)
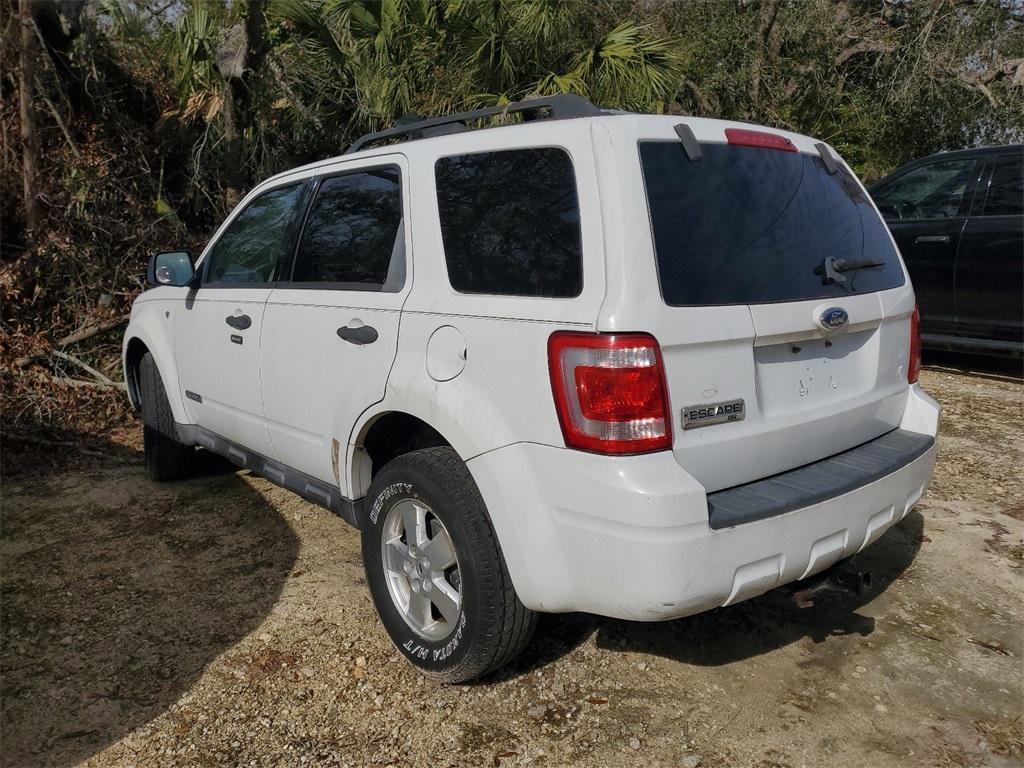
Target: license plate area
(809,373)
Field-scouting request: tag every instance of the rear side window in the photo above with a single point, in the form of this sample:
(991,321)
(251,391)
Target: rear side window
(510,222)
(250,247)
(353,235)
(1006,190)
(746,225)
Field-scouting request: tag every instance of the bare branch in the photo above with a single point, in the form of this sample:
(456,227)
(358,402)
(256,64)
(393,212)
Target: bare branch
(865,46)
(100,377)
(81,334)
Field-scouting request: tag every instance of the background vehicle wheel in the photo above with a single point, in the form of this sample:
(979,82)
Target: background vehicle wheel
(166,458)
(436,572)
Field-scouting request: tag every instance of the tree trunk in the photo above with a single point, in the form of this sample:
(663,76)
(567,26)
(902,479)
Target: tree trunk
(239,61)
(26,75)
(769,15)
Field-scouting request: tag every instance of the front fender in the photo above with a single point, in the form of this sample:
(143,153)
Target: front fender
(151,325)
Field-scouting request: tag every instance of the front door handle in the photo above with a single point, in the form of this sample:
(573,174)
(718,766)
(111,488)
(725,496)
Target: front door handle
(932,239)
(363,334)
(241,322)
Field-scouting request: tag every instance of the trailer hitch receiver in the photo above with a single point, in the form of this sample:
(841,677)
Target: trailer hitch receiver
(842,579)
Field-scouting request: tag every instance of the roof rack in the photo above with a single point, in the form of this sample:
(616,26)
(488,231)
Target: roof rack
(559,107)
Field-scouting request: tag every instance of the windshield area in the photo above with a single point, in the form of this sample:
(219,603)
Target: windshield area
(747,225)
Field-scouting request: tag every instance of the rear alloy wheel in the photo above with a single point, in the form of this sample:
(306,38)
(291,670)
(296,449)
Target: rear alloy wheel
(435,569)
(421,569)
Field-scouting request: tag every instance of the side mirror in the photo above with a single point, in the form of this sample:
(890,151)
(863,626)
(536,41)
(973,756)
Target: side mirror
(172,268)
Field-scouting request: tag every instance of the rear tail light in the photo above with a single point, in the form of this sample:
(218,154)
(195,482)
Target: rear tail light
(610,392)
(914,364)
(762,139)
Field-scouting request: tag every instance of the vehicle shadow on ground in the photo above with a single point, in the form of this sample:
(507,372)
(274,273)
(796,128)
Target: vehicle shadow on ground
(116,594)
(727,635)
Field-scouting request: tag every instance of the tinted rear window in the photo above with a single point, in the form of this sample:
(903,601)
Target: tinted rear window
(746,225)
(510,222)
(353,231)
(1006,191)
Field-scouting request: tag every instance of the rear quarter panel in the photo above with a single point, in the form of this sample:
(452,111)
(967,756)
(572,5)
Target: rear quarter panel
(503,393)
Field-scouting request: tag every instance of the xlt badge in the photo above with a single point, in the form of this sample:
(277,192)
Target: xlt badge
(713,413)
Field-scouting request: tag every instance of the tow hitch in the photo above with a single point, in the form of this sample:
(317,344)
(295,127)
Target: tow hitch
(841,579)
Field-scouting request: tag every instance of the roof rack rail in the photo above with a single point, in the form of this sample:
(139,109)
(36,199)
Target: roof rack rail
(560,107)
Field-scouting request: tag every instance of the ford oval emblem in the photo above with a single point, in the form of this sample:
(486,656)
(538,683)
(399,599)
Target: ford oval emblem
(833,318)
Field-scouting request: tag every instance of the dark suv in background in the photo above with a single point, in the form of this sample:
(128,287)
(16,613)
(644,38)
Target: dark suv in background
(958,218)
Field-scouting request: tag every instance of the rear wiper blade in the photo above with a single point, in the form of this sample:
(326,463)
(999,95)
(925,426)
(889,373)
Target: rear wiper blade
(831,269)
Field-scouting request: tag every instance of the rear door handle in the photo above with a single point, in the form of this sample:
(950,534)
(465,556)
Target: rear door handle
(241,322)
(932,239)
(363,334)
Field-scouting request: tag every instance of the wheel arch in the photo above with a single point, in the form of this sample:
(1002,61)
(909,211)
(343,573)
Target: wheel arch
(383,436)
(134,350)
(139,339)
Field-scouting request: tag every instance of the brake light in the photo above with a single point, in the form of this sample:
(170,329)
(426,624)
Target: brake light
(762,139)
(610,392)
(914,364)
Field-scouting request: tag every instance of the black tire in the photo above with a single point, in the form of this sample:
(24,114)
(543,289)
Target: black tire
(166,458)
(493,626)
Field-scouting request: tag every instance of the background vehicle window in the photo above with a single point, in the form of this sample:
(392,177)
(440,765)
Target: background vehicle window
(1006,190)
(353,230)
(248,250)
(932,191)
(510,222)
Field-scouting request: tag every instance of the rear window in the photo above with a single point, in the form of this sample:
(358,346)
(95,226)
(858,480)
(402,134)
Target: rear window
(1006,191)
(745,225)
(353,235)
(510,222)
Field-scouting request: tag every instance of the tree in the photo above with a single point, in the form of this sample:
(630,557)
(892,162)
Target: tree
(26,96)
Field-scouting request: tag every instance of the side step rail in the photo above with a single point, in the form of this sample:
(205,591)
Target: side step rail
(309,488)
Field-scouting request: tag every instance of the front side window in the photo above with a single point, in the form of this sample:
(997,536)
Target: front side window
(933,191)
(250,247)
(353,234)
(1006,190)
(510,222)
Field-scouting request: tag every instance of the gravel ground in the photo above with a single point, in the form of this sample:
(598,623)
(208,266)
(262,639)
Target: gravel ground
(223,621)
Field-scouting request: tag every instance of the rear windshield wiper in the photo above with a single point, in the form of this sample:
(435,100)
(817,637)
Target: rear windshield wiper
(831,269)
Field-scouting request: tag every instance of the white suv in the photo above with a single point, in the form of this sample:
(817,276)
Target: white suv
(640,366)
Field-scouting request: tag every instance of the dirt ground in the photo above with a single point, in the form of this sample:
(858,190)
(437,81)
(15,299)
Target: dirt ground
(223,621)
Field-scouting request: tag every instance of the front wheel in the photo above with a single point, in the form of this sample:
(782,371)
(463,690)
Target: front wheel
(435,569)
(166,458)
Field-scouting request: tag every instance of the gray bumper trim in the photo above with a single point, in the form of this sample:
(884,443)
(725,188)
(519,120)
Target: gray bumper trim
(814,483)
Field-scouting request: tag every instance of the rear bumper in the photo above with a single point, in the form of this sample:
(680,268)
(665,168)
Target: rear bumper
(630,537)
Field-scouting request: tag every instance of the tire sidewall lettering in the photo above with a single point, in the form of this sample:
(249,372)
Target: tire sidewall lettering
(387,493)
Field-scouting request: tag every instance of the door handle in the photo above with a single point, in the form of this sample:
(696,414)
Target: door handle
(363,334)
(241,322)
(932,239)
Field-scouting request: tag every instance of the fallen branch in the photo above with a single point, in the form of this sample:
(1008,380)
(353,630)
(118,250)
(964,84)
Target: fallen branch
(81,334)
(979,81)
(100,377)
(83,383)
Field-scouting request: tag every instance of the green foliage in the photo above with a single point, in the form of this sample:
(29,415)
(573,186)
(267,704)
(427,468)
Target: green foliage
(153,126)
